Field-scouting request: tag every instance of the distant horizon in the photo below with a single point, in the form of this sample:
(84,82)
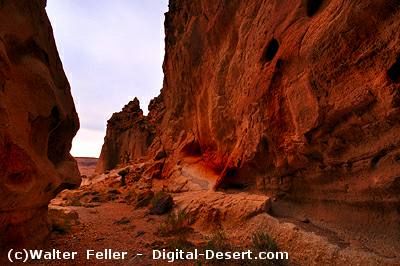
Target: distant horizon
(111,53)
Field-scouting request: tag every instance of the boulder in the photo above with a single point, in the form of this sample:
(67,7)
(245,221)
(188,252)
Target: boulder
(62,218)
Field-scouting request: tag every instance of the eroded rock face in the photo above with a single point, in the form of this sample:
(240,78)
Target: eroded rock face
(298,99)
(129,135)
(272,89)
(37,123)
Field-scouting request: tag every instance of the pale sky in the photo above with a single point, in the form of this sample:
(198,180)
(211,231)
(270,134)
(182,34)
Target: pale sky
(112,51)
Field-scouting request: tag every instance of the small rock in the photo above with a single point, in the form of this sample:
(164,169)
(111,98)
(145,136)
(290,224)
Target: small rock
(158,244)
(305,220)
(140,233)
(91,205)
(123,220)
(114,191)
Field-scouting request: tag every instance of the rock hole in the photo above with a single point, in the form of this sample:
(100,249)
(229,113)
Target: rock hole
(375,160)
(48,188)
(192,149)
(55,117)
(149,139)
(18,178)
(394,71)
(270,51)
(313,6)
(396,99)
(2,85)
(41,127)
(279,64)
(230,182)
(309,136)
(17,49)
(231,173)
(59,137)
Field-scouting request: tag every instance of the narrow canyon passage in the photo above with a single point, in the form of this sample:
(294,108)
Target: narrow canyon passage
(103,213)
(275,130)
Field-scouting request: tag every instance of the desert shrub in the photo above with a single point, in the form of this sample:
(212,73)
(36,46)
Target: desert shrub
(161,203)
(86,193)
(96,199)
(218,241)
(263,242)
(123,173)
(129,197)
(180,243)
(74,201)
(143,198)
(114,191)
(176,223)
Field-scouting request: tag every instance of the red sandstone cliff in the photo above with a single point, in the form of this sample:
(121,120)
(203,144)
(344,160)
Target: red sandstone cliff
(37,123)
(129,135)
(297,99)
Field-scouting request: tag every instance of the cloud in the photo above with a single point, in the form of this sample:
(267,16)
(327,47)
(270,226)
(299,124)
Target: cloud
(87,143)
(112,51)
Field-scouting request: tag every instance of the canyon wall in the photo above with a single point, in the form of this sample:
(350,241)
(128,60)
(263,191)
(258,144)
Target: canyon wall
(296,99)
(37,123)
(283,93)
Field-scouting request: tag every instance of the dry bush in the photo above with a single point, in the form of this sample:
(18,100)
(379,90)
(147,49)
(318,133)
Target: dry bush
(263,242)
(176,223)
(161,203)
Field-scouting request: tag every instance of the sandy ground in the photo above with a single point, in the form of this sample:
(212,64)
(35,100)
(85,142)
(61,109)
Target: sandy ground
(86,165)
(116,226)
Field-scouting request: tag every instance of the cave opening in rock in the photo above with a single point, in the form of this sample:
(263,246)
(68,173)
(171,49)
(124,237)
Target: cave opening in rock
(313,7)
(231,181)
(394,71)
(270,51)
(192,149)
(231,173)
